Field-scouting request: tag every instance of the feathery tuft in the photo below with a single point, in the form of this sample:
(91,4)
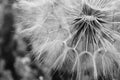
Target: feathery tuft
(72,38)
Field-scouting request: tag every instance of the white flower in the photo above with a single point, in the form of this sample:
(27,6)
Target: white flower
(75,35)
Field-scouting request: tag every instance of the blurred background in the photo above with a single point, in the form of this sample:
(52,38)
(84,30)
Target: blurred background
(16,63)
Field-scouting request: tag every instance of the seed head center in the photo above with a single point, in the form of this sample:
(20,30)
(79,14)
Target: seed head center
(90,18)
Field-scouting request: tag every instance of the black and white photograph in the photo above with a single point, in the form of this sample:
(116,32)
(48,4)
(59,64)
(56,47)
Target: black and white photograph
(59,39)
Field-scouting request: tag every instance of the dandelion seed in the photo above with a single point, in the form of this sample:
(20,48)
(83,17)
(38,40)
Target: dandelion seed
(69,37)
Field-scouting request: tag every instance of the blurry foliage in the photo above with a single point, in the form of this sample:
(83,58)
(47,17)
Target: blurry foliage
(14,64)
(4,74)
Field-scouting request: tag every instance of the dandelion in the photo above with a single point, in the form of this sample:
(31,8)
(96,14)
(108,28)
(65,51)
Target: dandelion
(77,36)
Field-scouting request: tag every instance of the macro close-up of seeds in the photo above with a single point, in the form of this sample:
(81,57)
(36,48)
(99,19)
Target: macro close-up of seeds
(80,38)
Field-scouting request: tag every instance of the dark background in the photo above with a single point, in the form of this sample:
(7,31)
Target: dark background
(16,63)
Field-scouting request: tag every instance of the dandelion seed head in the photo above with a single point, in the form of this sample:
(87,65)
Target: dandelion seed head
(72,36)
